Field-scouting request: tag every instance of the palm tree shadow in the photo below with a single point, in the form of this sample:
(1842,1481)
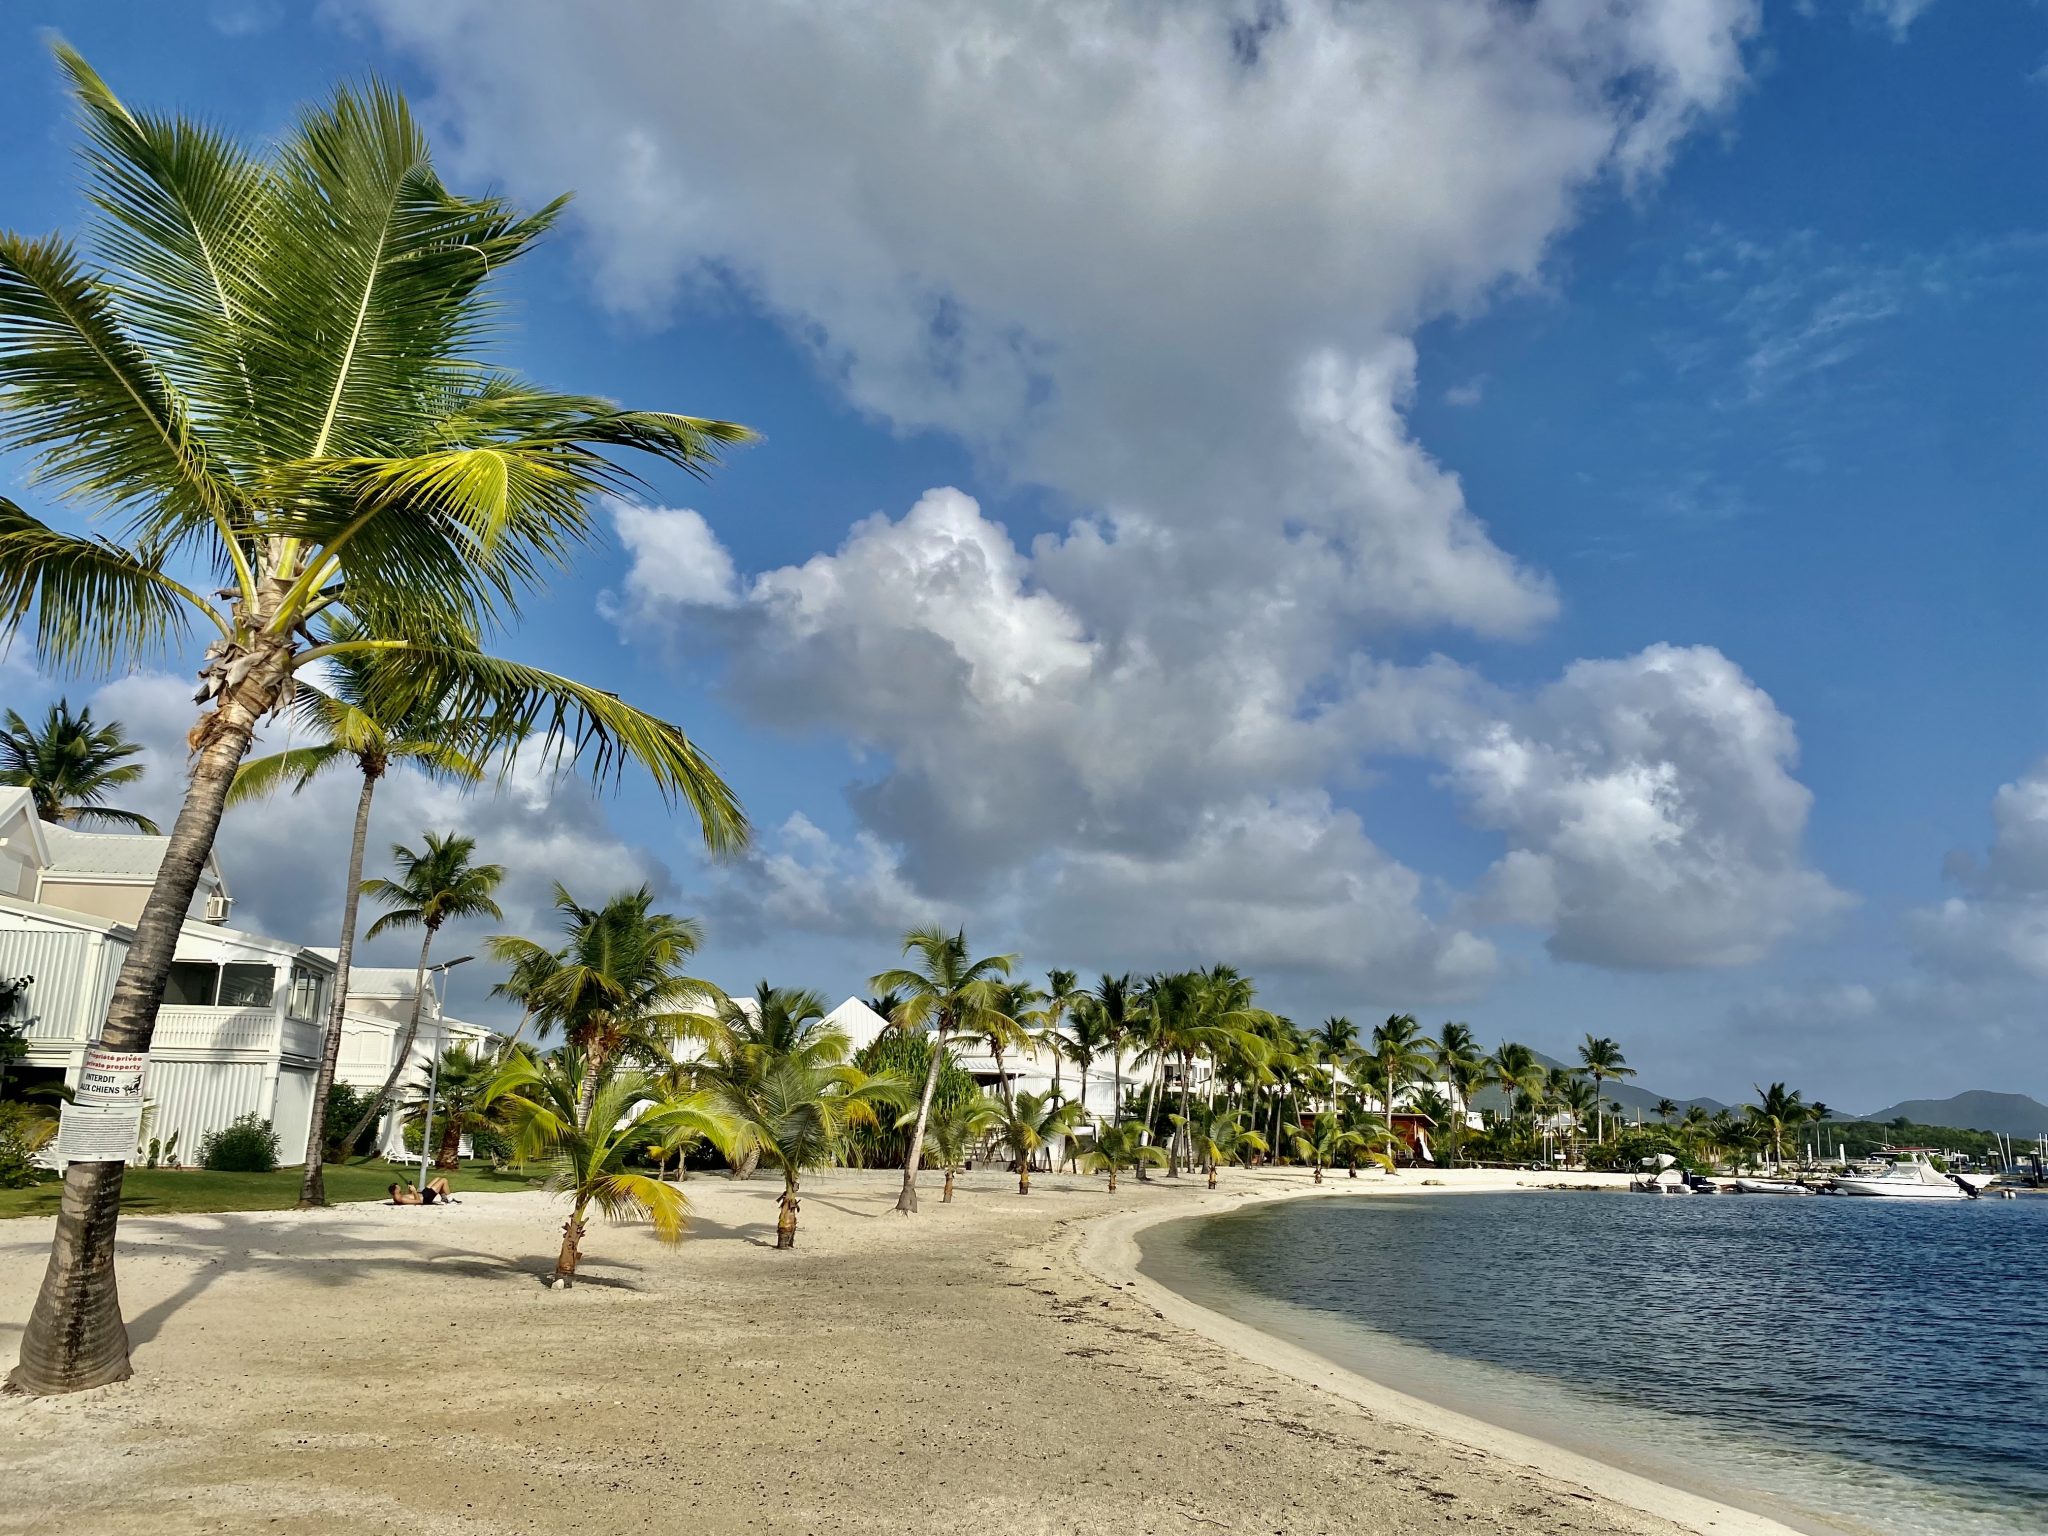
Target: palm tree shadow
(749,1232)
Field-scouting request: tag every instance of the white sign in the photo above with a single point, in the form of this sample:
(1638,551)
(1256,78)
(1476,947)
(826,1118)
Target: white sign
(112,1077)
(98,1133)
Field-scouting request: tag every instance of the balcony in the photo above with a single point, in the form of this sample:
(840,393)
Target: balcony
(215,1029)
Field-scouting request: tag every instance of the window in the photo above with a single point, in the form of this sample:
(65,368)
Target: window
(246,986)
(192,984)
(309,992)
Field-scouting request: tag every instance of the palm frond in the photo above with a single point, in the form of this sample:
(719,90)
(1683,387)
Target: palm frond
(97,605)
(260,777)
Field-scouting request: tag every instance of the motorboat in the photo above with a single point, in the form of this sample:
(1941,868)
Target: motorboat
(1975,1183)
(1910,1178)
(1771,1187)
(1668,1178)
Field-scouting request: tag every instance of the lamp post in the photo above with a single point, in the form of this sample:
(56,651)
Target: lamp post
(434,1068)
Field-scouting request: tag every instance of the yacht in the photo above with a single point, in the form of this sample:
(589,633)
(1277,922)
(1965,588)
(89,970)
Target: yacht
(1910,1178)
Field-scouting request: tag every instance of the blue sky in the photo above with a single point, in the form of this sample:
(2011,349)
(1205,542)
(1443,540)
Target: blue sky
(1525,520)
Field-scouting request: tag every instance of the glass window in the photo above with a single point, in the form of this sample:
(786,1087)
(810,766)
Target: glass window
(192,984)
(309,992)
(246,986)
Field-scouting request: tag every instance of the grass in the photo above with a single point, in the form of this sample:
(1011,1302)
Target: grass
(160,1191)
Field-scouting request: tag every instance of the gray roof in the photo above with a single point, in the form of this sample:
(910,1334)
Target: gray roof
(132,854)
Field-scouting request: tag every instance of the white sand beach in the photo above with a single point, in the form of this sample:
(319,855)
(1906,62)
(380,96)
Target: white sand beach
(993,1364)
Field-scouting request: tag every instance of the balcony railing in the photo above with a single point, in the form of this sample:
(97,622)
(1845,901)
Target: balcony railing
(218,1029)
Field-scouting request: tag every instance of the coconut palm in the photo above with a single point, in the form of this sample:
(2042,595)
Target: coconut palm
(1049,1022)
(434,885)
(1116,1009)
(1569,1094)
(1600,1059)
(1518,1074)
(1327,1140)
(948,993)
(454,1089)
(1218,1136)
(1088,1038)
(350,730)
(1665,1109)
(1112,1148)
(1005,1028)
(952,1132)
(69,765)
(592,1153)
(272,368)
(1335,1039)
(1028,1124)
(781,1080)
(1461,1063)
(617,986)
(1778,1110)
(1402,1053)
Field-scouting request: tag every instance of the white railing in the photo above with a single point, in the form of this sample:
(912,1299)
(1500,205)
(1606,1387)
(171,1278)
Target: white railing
(215,1029)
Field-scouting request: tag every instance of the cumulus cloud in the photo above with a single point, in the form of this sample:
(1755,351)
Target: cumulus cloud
(1998,923)
(1650,811)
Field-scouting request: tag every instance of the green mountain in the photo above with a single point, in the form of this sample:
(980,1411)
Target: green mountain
(2009,1114)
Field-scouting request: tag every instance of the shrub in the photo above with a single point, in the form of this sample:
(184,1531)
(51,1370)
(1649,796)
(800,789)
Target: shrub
(23,1132)
(345,1106)
(910,1056)
(249,1145)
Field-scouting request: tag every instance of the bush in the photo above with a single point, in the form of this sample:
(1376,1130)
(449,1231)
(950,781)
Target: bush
(345,1106)
(23,1133)
(249,1145)
(883,1146)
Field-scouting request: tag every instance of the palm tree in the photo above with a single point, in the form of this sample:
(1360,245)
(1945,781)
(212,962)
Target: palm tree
(1600,1058)
(344,719)
(1219,1136)
(949,993)
(1327,1139)
(1003,1028)
(1089,1037)
(1461,1063)
(1112,1148)
(1029,1123)
(1776,1111)
(1335,1039)
(617,986)
(1517,1072)
(271,367)
(593,1153)
(1115,1009)
(1665,1109)
(1401,1051)
(1062,994)
(433,885)
(454,1089)
(782,1081)
(953,1131)
(1571,1094)
(69,765)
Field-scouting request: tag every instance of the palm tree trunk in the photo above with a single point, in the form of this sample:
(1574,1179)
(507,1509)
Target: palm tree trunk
(571,1251)
(1023,1175)
(946,1194)
(412,1030)
(906,1202)
(313,1189)
(1187,1066)
(450,1155)
(1116,1086)
(786,1208)
(1151,1107)
(75,1337)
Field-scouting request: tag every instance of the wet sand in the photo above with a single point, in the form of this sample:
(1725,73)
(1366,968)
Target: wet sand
(384,1369)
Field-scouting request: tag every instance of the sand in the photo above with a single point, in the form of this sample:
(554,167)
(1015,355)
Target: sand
(991,1365)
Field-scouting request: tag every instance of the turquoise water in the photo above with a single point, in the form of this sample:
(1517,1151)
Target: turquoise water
(1853,1365)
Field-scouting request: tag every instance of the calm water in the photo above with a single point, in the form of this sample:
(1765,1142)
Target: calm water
(1846,1364)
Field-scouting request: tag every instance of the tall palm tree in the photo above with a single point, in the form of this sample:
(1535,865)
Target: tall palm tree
(1402,1053)
(1600,1058)
(947,993)
(1056,1004)
(69,765)
(433,885)
(1778,1110)
(1005,1028)
(617,986)
(272,367)
(1462,1064)
(1518,1073)
(350,731)
(1116,1009)
(781,1080)
(1028,1124)
(1089,1037)
(1665,1109)
(1335,1039)
(1572,1095)
(593,1154)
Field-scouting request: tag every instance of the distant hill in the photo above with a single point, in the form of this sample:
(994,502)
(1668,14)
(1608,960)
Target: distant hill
(2009,1114)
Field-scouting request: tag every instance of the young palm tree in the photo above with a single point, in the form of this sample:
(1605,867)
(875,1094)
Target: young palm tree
(271,367)
(1327,1139)
(350,731)
(781,1080)
(952,1133)
(1029,1123)
(1112,1148)
(1600,1059)
(433,885)
(617,986)
(1221,1136)
(593,1153)
(69,765)
(947,994)
(454,1089)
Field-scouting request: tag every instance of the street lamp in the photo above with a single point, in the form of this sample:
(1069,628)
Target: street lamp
(434,1069)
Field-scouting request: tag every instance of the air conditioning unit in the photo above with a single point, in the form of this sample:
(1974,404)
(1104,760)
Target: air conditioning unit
(217,906)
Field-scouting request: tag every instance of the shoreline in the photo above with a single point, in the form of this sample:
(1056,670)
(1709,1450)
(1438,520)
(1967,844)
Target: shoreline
(1110,1249)
(404,1369)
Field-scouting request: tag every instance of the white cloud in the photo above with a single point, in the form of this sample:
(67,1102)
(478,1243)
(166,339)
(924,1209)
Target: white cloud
(1651,813)
(1898,15)
(1999,924)
(677,559)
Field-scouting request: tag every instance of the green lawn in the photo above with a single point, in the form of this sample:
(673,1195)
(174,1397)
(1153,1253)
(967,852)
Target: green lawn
(149,1191)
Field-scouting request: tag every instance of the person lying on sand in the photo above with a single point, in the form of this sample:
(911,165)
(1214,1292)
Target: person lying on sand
(437,1192)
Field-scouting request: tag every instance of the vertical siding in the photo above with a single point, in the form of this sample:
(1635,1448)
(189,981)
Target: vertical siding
(194,1097)
(294,1113)
(74,979)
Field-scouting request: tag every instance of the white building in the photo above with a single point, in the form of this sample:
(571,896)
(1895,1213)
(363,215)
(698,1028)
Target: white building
(243,1015)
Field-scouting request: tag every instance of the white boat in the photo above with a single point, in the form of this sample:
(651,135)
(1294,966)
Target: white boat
(1771,1187)
(1668,1179)
(1910,1178)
